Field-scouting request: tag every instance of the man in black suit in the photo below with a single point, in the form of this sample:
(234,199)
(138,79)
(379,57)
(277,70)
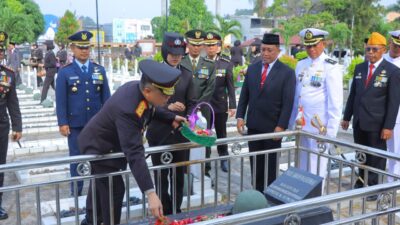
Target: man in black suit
(119,127)
(373,102)
(268,91)
(160,133)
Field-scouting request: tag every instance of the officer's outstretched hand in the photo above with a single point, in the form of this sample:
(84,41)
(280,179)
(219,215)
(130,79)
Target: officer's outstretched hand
(16,136)
(345,124)
(64,130)
(155,205)
(386,134)
(178,120)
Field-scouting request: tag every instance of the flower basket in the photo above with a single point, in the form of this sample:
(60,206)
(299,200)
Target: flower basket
(204,137)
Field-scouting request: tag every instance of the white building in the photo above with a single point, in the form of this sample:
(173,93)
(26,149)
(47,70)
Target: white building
(254,26)
(131,30)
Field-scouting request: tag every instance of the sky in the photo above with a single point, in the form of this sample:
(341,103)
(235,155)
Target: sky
(135,9)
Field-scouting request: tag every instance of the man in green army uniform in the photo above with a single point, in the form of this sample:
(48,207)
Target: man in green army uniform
(202,69)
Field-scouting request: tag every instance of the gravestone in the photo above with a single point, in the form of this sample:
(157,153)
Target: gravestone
(294,185)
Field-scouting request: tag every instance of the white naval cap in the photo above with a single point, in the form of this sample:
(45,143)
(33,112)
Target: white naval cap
(395,36)
(312,36)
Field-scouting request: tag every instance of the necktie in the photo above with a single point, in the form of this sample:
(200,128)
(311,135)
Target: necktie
(264,74)
(371,68)
(84,69)
(194,64)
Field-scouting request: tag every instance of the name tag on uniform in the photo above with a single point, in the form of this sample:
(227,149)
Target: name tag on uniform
(358,76)
(74,78)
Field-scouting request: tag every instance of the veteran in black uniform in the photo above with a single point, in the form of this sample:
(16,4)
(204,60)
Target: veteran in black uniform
(8,101)
(82,89)
(181,103)
(224,88)
(373,103)
(119,127)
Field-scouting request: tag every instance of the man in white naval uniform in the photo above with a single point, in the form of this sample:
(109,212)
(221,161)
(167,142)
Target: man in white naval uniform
(319,96)
(393,144)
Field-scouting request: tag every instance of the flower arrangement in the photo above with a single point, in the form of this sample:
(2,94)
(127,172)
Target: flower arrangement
(196,129)
(166,221)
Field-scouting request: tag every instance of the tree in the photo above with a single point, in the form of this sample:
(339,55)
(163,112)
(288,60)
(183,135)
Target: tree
(183,15)
(365,15)
(394,7)
(35,16)
(21,19)
(339,34)
(288,29)
(292,8)
(68,26)
(87,21)
(158,25)
(259,6)
(225,27)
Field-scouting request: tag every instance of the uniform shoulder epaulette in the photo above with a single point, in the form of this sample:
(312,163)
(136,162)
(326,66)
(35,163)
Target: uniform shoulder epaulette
(225,59)
(331,61)
(7,68)
(208,60)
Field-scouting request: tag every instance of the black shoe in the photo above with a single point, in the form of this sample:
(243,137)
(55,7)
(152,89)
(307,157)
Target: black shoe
(224,166)
(3,214)
(372,198)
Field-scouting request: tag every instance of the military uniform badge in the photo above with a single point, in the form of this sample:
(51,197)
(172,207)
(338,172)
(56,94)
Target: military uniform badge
(203,73)
(141,108)
(316,79)
(381,80)
(221,72)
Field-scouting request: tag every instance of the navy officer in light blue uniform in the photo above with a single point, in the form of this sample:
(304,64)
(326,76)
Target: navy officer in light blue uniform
(81,90)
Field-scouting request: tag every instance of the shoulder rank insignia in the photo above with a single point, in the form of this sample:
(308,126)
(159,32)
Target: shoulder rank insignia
(331,61)
(225,59)
(141,108)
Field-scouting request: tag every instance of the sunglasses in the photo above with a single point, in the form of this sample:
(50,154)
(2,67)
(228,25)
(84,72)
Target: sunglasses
(373,49)
(311,46)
